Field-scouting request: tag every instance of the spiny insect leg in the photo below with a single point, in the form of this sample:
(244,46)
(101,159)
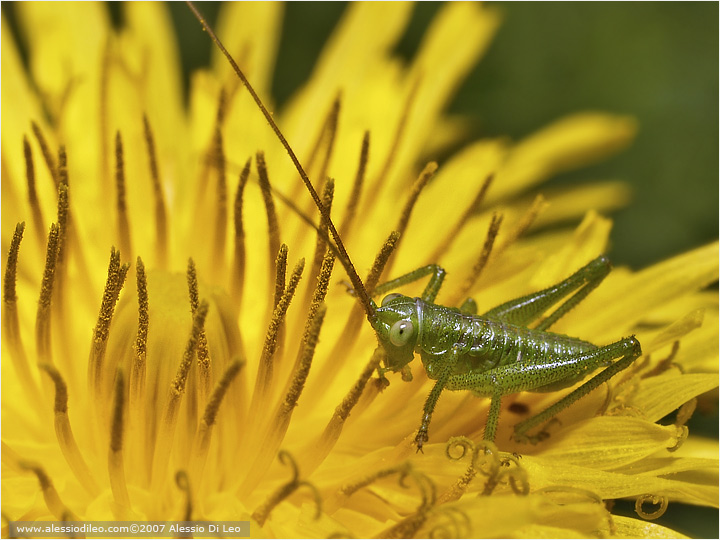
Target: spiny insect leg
(448,362)
(436,273)
(627,350)
(522,311)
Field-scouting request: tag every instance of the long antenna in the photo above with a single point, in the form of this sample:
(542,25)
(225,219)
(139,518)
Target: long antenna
(345,258)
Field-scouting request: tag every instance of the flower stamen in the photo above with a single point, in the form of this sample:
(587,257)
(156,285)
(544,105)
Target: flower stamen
(123,222)
(114,283)
(237,282)
(321,241)
(116,467)
(262,512)
(415,191)
(204,431)
(183,483)
(656,500)
(138,367)
(203,355)
(11,323)
(481,262)
(264,379)
(166,432)
(470,211)
(539,204)
(354,199)
(64,433)
(47,155)
(272,220)
(161,223)
(351,331)
(35,210)
(42,321)
(50,494)
(218,162)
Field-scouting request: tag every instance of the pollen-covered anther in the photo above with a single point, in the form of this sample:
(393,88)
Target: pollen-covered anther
(42,321)
(113,285)
(138,366)
(166,430)
(203,354)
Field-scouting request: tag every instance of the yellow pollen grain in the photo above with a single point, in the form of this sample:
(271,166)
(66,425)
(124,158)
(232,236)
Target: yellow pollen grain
(238,274)
(123,222)
(161,225)
(47,154)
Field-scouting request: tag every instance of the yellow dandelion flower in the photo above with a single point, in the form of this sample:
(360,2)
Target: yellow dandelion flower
(190,356)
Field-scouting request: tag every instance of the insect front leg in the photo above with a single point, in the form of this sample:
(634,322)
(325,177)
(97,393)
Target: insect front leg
(522,311)
(446,364)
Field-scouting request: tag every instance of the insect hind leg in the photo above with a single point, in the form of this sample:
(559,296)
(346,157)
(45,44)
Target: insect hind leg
(627,350)
(522,311)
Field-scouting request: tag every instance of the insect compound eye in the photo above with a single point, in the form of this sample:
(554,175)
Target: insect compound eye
(401,332)
(389,298)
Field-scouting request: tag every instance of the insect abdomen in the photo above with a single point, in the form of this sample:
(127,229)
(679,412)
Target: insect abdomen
(487,343)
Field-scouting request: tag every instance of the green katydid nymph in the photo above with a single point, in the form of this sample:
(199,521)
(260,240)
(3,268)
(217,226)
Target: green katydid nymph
(491,355)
